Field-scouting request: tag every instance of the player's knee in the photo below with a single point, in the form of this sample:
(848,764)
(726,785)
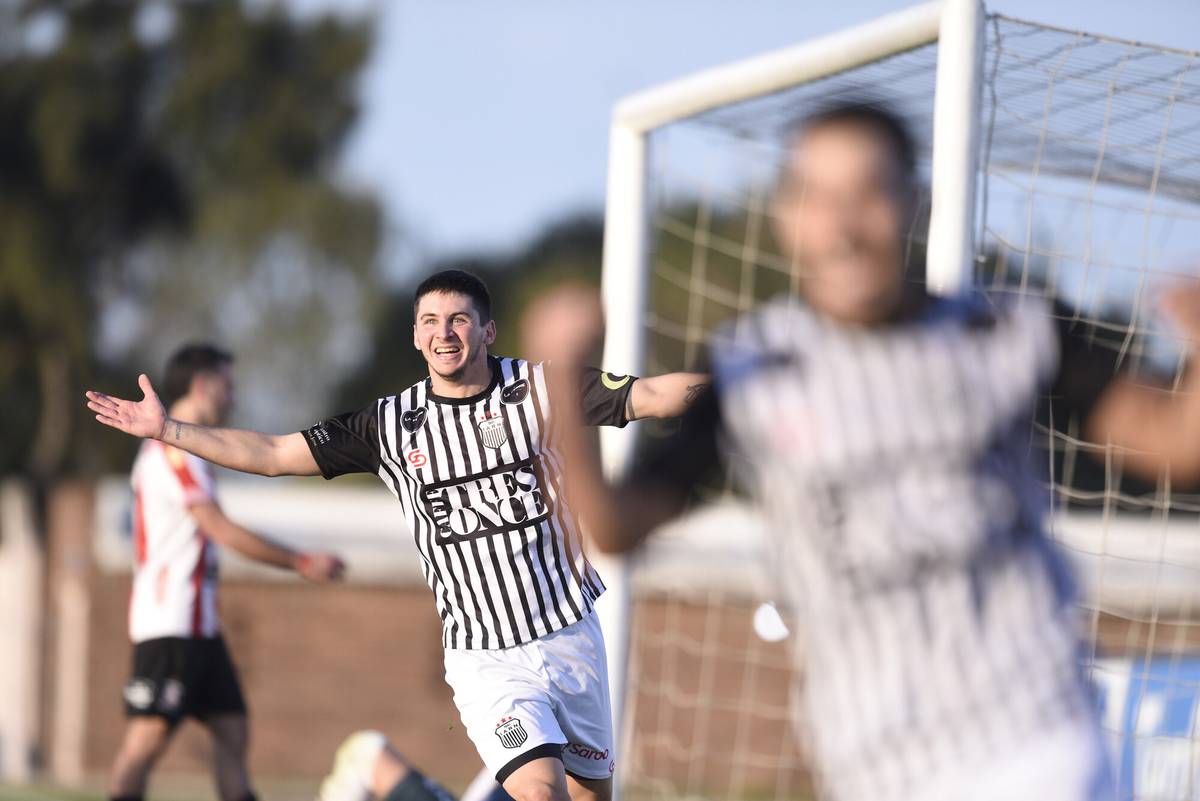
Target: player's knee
(147,736)
(145,740)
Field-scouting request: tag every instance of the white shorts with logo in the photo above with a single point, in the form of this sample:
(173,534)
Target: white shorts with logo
(548,697)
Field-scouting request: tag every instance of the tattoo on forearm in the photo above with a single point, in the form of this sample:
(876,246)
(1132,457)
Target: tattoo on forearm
(693,392)
(178,430)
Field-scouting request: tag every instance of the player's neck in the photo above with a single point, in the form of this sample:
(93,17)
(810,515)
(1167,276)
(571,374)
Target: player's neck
(475,379)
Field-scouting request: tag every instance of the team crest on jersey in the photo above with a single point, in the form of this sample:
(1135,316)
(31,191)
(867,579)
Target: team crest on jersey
(511,732)
(492,430)
(413,419)
(515,392)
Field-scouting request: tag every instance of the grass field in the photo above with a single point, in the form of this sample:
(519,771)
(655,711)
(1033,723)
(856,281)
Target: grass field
(164,788)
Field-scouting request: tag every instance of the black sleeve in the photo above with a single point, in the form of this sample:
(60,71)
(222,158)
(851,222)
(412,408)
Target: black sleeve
(1087,365)
(604,396)
(347,443)
(683,459)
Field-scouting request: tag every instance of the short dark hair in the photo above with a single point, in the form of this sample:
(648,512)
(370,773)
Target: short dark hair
(459,281)
(867,114)
(188,362)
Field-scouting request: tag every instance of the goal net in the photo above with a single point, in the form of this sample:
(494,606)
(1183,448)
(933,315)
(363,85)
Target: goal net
(1088,192)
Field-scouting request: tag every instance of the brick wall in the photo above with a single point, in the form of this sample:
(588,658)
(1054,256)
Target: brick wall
(316,663)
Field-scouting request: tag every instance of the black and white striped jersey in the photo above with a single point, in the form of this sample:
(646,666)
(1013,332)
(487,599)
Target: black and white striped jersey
(478,480)
(905,518)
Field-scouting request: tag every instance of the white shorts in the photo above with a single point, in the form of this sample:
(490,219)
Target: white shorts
(548,697)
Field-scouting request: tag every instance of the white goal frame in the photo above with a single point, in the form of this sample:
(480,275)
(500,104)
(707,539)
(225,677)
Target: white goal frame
(957,27)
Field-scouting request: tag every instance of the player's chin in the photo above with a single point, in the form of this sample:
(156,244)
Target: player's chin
(447,365)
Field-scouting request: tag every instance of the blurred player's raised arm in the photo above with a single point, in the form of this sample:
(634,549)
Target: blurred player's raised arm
(1157,429)
(237,449)
(561,329)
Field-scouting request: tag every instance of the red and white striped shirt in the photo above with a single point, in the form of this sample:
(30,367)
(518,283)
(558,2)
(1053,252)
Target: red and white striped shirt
(175,565)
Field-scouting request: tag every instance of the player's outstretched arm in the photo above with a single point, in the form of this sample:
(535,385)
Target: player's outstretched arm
(667,395)
(248,451)
(312,566)
(560,329)
(1157,427)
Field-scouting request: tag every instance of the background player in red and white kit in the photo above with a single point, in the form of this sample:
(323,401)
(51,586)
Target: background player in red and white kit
(470,452)
(181,667)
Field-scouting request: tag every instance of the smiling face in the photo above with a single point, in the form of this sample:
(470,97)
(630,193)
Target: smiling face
(840,214)
(451,337)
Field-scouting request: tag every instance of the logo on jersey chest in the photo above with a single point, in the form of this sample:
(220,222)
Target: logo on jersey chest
(506,498)
(413,419)
(492,430)
(511,732)
(515,392)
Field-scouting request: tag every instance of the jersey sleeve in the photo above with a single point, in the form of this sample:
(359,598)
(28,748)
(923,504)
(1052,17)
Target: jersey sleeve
(683,459)
(1086,367)
(347,443)
(604,397)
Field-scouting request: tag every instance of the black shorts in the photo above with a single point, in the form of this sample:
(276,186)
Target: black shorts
(178,677)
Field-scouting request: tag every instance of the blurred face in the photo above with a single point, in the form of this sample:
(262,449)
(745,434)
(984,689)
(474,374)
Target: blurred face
(212,395)
(450,335)
(839,215)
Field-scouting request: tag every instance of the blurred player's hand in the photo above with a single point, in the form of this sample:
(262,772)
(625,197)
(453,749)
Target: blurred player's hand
(1181,304)
(320,567)
(562,325)
(144,418)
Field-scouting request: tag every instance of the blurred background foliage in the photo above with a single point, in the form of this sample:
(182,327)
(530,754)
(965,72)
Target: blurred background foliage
(168,172)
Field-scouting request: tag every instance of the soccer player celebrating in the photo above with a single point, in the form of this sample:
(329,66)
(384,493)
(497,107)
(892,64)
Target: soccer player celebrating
(181,667)
(885,435)
(470,453)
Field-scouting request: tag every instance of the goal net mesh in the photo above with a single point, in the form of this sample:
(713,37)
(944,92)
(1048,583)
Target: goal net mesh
(1089,193)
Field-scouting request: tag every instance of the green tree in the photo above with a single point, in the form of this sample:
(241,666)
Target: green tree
(165,181)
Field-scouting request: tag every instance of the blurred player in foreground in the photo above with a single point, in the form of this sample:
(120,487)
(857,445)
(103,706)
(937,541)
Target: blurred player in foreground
(181,667)
(885,434)
(368,767)
(470,452)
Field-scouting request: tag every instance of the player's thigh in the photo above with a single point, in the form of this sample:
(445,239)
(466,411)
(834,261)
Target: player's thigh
(576,665)
(541,779)
(215,690)
(157,686)
(582,789)
(506,707)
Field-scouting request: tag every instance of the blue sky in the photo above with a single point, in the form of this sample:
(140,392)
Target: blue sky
(483,121)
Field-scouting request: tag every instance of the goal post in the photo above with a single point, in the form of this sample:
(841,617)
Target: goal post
(956,24)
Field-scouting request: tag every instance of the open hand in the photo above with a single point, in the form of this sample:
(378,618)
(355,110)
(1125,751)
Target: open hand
(144,418)
(562,325)
(320,567)
(1181,304)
